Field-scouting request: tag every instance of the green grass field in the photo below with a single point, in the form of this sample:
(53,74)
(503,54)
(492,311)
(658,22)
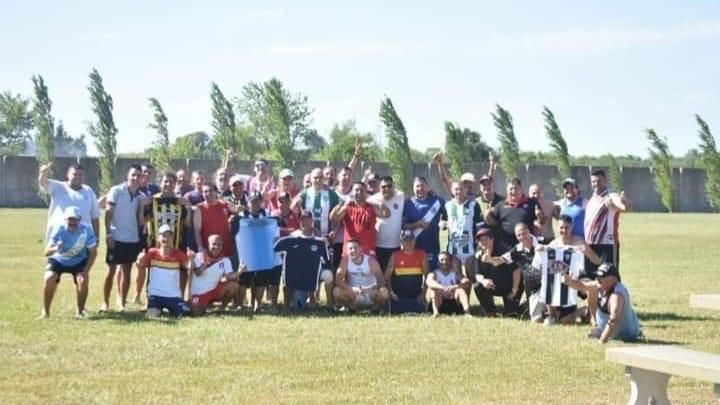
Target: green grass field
(122,358)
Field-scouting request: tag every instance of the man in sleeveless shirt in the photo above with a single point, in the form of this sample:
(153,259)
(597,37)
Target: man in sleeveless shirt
(447,288)
(360,282)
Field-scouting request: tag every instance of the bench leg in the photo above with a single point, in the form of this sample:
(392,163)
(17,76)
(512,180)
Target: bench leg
(647,387)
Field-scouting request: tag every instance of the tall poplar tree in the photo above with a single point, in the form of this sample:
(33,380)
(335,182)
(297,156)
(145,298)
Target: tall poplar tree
(660,159)
(509,148)
(398,149)
(103,129)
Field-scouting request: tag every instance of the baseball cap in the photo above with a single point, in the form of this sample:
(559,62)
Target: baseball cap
(407,234)
(164,228)
(71,212)
(607,269)
(485,178)
(570,181)
(373,177)
(237,178)
(483,231)
(286,173)
(468,177)
(305,213)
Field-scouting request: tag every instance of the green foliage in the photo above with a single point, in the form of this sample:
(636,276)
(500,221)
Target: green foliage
(160,152)
(66,145)
(559,147)
(103,129)
(710,161)
(195,145)
(341,144)
(660,158)
(398,149)
(280,120)
(43,122)
(16,121)
(509,148)
(463,147)
(226,133)
(614,174)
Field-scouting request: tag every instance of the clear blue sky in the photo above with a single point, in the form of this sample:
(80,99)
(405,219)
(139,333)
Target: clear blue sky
(608,69)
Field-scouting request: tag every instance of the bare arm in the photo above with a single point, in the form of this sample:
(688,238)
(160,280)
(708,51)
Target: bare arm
(432,283)
(492,167)
(375,268)
(92,254)
(619,201)
(356,155)
(389,271)
(338,213)
(615,304)
(109,210)
(442,171)
(341,276)
(43,177)
(197,225)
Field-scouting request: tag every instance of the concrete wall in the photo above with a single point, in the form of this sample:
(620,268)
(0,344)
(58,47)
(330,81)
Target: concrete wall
(18,180)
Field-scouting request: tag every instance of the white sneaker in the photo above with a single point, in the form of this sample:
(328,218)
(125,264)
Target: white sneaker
(549,321)
(153,312)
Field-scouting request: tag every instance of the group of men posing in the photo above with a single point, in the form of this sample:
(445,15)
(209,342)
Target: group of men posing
(368,243)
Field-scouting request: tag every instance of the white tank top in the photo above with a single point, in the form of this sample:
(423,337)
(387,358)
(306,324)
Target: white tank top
(445,279)
(359,274)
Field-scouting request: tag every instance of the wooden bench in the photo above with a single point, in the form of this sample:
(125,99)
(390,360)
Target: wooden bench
(706,301)
(650,368)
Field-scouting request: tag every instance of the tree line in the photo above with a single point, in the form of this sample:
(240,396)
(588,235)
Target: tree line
(269,120)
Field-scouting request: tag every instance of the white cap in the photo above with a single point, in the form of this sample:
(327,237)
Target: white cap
(468,177)
(71,212)
(237,178)
(164,228)
(286,173)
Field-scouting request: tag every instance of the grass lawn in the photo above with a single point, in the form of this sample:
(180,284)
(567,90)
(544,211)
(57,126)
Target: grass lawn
(122,358)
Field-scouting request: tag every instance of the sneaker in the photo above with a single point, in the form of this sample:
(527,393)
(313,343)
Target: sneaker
(153,313)
(43,315)
(103,308)
(549,321)
(81,314)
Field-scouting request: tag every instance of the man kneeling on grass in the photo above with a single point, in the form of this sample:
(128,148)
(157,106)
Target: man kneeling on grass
(360,282)
(447,288)
(213,278)
(165,264)
(72,249)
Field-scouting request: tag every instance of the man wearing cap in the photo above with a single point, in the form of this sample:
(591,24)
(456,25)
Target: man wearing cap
(123,219)
(72,192)
(237,197)
(573,206)
(71,249)
(422,214)
(305,262)
(359,280)
(488,198)
(405,273)
(285,186)
(358,217)
(388,229)
(495,278)
(372,182)
(164,265)
(467,179)
(615,316)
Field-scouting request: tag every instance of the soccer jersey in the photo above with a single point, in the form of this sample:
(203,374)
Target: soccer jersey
(359,224)
(165,211)
(430,209)
(463,220)
(601,221)
(340,229)
(215,270)
(164,272)
(215,222)
(553,262)
(63,196)
(74,244)
(303,258)
(320,203)
(388,229)
(407,277)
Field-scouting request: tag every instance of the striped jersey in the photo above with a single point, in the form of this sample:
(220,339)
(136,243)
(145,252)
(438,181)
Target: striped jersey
(463,220)
(601,221)
(320,203)
(164,273)
(165,211)
(407,277)
(553,262)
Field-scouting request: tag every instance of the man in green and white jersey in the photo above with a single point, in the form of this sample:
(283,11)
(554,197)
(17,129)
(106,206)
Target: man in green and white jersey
(464,217)
(320,201)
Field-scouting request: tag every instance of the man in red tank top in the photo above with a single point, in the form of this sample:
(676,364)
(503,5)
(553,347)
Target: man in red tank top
(358,216)
(211,218)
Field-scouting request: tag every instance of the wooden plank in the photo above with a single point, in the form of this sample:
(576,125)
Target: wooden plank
(669,360)
(705,301)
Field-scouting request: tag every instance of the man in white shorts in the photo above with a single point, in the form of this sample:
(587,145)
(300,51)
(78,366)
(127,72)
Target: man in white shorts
(360,282)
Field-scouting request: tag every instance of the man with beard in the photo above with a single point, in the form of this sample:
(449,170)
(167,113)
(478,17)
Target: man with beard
(388,229)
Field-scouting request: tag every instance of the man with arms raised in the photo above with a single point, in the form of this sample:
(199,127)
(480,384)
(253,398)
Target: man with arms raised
(123,216)
(213,278)
(447,288)
(359,281)
(422,214)
(72,249)
(388,229)
(358,217)
(164,265)
(405,274)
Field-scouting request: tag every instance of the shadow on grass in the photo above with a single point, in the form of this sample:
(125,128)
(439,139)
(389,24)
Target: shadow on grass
(669,316)
(131,317)
(651,341)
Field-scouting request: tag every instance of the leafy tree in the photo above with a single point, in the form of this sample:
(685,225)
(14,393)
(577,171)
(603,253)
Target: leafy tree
(341,145)
(195,145)
(463,147)
(15,123)
(398,149)
(160,153)
(710,161)
(660,158)
(614,173)
(509,148)
(66,145)
(559,147)
(281,121)
(103,129)
(226,135)
(43,122)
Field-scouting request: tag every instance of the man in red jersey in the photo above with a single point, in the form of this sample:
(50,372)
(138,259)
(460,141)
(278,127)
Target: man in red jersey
(358,217)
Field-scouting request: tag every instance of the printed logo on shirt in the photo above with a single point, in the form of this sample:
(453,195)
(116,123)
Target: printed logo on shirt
(313,248)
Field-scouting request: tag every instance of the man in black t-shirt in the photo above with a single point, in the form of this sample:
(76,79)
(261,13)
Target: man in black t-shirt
(515,209)
(495,278)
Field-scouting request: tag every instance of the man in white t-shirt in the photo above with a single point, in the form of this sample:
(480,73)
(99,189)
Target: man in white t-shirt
(214,278)
(70,193)
(388,229)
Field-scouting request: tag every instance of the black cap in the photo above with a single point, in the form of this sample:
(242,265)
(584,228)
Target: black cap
(485,178)
(607,269)
(483,231)
(570,181)
(373,177)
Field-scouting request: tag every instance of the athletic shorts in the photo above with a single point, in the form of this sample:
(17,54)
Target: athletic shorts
(123,253)
(261,278)
(207,298)
(607,253)
(337,255)
(174,305)
(273,276)
(57,268)
(383,256)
